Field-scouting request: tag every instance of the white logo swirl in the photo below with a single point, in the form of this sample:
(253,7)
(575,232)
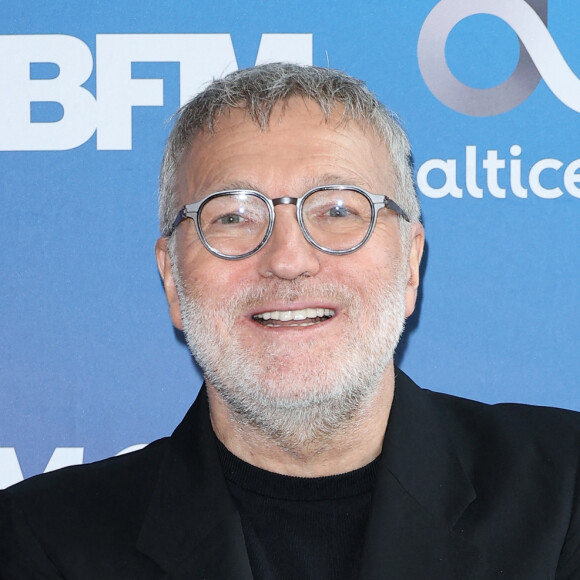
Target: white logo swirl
(539,58)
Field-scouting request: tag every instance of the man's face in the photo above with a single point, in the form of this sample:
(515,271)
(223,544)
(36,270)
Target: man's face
(275,373)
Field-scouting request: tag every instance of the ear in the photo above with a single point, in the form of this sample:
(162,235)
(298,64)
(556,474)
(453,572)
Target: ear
(417,235)
(164,265)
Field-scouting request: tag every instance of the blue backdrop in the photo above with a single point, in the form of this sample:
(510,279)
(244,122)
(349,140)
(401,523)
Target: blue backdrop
(489,94)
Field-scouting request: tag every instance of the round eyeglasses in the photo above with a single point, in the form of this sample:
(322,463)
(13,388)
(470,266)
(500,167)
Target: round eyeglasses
(237,223)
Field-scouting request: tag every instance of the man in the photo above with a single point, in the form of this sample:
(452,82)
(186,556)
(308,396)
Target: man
(290,258)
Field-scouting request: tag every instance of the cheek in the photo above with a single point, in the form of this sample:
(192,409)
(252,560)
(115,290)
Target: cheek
(213,278)
(376,263)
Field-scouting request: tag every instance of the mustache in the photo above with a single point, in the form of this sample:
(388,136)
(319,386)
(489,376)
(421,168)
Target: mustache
(290,291)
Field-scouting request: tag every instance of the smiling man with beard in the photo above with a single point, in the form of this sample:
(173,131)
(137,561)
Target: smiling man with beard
(290,252)
(286,383)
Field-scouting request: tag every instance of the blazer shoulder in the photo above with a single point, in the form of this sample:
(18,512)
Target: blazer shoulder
(513,437)
(492,433)
(114,490)
(510,418)
(84,517)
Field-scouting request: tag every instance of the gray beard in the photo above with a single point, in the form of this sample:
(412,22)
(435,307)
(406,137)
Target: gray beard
(298,396)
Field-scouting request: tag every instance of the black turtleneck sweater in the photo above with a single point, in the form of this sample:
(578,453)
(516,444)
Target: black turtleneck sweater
(301,528)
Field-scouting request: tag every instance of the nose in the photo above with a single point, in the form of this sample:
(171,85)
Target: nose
(288,255)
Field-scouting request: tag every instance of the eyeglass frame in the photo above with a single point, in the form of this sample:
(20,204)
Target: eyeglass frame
(377,202)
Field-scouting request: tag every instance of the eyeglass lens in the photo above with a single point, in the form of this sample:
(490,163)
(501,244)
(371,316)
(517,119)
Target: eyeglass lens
(337,219)
(235,224)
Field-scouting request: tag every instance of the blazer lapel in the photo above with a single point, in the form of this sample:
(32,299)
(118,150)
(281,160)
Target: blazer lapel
(421,492)
(192,529)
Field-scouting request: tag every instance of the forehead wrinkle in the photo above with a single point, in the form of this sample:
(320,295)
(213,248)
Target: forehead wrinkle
(235,184)
(346,178)
(306,183)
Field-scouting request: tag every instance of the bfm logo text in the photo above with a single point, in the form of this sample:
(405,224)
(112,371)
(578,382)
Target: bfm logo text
(201,58)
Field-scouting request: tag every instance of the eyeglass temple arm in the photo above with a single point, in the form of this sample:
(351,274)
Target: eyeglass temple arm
(180,217)
(390,204)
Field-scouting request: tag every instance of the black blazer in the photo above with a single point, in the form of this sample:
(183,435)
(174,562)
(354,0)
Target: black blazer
(465,491)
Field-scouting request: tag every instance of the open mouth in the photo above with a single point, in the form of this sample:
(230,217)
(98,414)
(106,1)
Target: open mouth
(304,317)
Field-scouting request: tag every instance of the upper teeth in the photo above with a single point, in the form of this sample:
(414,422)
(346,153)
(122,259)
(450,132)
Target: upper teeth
(286,315)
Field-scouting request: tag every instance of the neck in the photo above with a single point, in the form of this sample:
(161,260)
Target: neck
(354,444)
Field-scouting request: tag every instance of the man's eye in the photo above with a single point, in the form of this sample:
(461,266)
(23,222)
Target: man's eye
(230,219)
(338,211)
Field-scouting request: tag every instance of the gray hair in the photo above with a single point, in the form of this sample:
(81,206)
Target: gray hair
(257,90)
